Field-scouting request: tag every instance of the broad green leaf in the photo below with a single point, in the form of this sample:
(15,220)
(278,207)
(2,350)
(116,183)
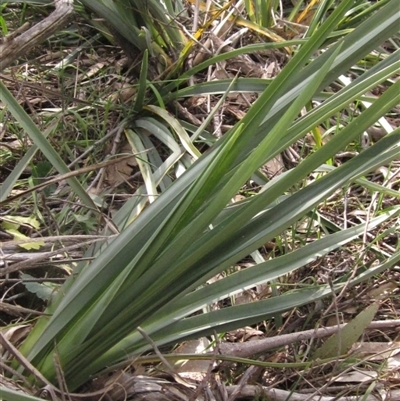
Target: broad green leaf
(341,342)
(41,290)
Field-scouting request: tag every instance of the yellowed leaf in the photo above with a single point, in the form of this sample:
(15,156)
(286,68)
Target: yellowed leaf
(18,236)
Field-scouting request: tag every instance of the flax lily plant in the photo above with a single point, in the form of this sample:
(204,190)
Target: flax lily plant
(144,24)
(154,274)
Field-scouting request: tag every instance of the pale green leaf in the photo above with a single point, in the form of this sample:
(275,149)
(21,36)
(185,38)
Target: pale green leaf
(341,342)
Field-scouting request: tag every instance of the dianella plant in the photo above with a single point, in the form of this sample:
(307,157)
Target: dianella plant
(138,25)
(155,274)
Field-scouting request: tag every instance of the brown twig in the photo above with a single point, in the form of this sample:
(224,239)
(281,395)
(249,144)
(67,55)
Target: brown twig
(17,43)
(19,310)
(282,395)
(250,348)
(22,360)
(65,176)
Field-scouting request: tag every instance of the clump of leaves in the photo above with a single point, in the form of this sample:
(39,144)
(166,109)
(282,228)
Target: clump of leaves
(154,274)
